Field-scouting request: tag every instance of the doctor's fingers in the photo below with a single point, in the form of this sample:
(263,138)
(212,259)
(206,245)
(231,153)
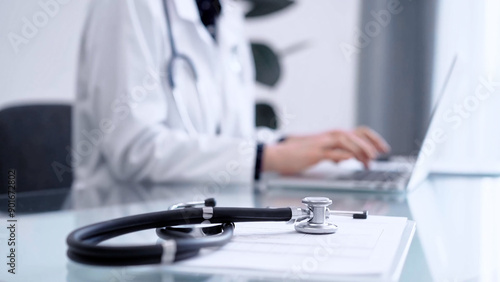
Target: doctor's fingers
(337,155)
(362,150)
(373,137)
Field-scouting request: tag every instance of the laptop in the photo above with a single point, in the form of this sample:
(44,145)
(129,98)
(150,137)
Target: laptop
(398,173)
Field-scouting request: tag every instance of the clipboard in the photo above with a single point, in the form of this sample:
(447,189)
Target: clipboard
(393,273)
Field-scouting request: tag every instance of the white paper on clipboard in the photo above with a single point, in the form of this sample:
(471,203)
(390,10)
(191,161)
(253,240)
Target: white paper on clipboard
(360,248)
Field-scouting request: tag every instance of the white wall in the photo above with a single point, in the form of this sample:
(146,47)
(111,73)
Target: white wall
(42,68)
(458,33)
(316,90)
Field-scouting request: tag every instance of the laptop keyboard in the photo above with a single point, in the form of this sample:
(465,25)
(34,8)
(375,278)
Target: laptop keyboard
(371,175)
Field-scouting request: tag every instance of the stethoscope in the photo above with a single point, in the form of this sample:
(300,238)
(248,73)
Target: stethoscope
(187,228)
(178,58)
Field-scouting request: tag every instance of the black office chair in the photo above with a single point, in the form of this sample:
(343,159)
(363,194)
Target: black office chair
(33,141)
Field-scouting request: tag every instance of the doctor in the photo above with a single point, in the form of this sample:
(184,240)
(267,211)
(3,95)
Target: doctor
(165,94)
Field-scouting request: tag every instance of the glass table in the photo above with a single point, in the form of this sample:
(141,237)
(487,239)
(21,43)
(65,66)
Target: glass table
(457,236)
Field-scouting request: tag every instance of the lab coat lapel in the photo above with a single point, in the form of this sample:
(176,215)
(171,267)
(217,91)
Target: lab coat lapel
(188,11)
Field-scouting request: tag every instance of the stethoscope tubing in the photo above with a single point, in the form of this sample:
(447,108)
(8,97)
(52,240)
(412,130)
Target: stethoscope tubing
(83,243)
(176,56)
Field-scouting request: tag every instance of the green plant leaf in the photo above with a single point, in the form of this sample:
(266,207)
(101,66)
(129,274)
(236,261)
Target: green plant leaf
(266,7)
(265,115)
(267,64)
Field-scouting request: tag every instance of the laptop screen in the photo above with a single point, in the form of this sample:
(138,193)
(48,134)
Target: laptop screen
(434,130)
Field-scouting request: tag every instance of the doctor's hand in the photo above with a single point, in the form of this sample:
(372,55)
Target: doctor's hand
(298,153)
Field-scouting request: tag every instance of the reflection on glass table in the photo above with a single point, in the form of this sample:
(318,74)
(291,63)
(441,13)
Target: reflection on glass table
(457,235)
(459,228)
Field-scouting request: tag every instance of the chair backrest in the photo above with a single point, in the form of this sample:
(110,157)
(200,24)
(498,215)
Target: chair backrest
(33,141)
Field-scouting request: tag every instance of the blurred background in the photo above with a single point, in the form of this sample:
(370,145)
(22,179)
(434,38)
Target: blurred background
(321,64)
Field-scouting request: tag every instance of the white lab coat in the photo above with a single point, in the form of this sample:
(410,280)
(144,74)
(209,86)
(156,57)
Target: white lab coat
(127,127)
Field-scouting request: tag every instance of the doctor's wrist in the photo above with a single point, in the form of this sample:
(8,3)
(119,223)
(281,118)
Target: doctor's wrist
(258,161)
(270,158)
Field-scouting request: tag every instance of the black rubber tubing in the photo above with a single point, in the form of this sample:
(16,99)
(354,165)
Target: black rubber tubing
(83,243)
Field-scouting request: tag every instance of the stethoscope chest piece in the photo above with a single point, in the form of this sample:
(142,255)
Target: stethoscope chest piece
(317,224)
